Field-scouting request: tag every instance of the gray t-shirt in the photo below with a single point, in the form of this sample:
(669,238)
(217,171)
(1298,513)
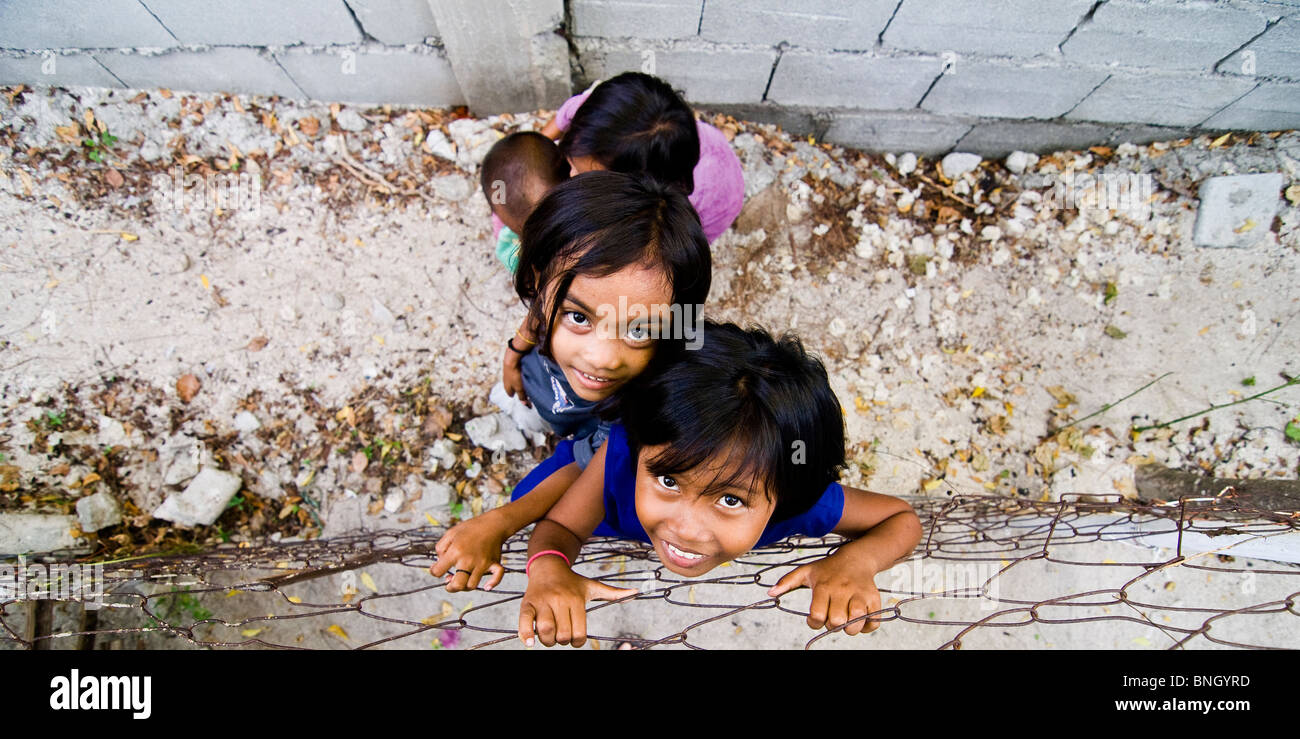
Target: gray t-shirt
(566,413)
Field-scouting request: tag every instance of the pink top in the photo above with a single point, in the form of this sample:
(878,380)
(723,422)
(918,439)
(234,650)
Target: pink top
(719,181)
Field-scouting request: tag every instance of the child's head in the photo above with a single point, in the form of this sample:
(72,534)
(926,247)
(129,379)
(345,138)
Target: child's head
(611,267)
(744,430)
(637,124)
(518,172)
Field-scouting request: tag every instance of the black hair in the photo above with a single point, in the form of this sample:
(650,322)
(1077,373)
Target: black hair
(638,124)
(597,223)
(767,403)
(519,170)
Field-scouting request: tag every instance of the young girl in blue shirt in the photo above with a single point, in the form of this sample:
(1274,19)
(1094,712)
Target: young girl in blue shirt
(732,446)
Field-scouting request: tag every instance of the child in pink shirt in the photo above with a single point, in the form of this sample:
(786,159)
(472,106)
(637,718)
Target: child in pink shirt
(636,123)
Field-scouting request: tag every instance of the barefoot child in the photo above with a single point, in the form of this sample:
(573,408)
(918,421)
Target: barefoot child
(636,123)
(517,173)
(613,270)
(733,446)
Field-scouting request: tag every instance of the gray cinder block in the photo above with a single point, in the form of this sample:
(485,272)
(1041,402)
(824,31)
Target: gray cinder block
(1016,28)
(257,23)
(1011,91)
(852,80)
(814,24)
(370,75)
(921,133)
(72,24)
(1163,35)
(648,19)
(227,69)
(1166,100)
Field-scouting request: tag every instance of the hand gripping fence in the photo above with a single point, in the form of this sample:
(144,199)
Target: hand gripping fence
(989,572)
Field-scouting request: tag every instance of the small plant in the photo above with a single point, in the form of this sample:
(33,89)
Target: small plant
(98,144)
(55,420)
(180,602)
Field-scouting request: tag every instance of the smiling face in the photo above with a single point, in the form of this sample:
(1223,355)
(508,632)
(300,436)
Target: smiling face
(694,528)
(602,335)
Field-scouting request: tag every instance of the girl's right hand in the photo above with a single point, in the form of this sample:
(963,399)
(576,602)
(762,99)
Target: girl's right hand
(512,377)
(554,607)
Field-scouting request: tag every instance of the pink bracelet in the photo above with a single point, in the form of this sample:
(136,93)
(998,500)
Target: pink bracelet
(529,566)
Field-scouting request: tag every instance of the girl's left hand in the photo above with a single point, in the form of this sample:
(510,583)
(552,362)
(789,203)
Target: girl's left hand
(842,591)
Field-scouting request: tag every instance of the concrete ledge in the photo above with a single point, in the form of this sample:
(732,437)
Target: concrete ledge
(225,69)
(56,70)
(814,24)
(996,139)
(897,132)
(1143,134)
(852,80)
(1015,28)
(648,19)
(1140,33)
(257,23)
(1011,91)
(1271,106)
(704,74)
(374,75)
(1167,100)
(70,24)
(799,121)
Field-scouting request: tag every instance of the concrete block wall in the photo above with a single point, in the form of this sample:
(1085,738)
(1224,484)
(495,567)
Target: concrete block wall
(923,75)
(362,51)
(988,76)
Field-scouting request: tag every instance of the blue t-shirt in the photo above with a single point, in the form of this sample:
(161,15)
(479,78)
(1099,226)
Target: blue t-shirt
(620,501)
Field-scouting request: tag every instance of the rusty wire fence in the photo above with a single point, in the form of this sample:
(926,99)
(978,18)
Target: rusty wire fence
(989,572)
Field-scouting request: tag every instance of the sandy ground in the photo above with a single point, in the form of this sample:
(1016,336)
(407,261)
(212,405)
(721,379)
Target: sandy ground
(355,299)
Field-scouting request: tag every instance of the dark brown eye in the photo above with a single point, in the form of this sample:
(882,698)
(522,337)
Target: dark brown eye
(668,481)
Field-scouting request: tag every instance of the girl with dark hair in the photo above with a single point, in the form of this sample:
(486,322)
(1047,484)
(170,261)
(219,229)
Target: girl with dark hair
(732,446)
(638,124)
(614,270)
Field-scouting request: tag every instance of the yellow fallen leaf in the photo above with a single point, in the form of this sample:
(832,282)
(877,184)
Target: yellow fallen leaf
(1108,561)
(432,521)
(929,485)
(861,403)
(1220,141)
(338,631)
(368,581)
(1169,585)
(690,595)
(128,236)
(1293,194)
(990,486)
(468,606)
(233,593)
(379,339)
(447,609)
(206,284)
(51,284)
(348,415)
(294,599)
(1247,226)
(92,477)
(1203,331)
(1011,409)
(431,621)
(978,391)
(1142,641)
(250,632)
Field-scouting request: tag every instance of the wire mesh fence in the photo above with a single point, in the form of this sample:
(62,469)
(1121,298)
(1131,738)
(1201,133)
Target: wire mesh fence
(990,572)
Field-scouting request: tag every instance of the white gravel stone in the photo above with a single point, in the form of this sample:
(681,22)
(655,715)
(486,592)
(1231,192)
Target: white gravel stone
(22,533)
(202,501)
(98,511)
(1237,210)
(1018,161)
(959,163)
(246,422)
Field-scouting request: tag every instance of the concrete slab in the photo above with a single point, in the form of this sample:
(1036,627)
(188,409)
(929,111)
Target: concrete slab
(812,24)
(373,75)
(656,19)
(27,533)
(1014,28)
(1011,91)
(852,80)
(1191,36)
(225,69)
(395,21)
(1168,100)
(255,23)
(55,69)
(69,24)
(1237,210)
